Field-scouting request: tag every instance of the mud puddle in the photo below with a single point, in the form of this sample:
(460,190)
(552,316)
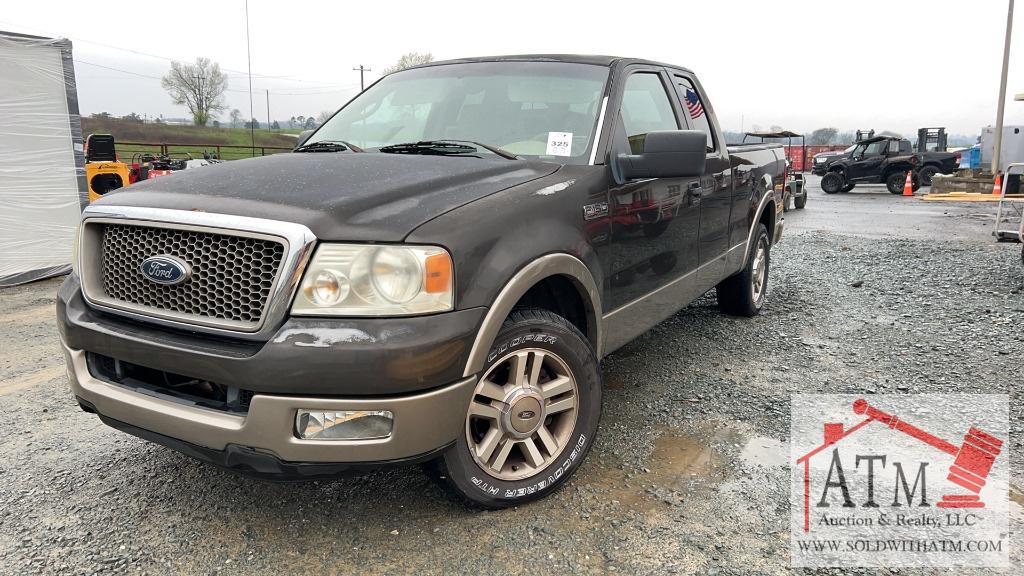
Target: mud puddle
(688,465)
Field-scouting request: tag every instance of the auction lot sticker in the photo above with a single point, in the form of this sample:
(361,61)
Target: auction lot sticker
(900,480)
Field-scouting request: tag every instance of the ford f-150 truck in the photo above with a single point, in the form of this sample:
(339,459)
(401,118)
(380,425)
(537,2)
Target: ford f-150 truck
(432,276)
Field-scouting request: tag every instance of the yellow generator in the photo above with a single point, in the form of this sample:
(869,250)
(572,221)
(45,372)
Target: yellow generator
(103,172)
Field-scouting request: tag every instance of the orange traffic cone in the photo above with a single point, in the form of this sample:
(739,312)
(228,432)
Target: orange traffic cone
(908,186)
(997,188)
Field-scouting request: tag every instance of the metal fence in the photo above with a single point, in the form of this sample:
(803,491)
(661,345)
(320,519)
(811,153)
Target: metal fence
(128,150)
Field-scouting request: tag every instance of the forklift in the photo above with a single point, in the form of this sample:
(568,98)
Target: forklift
(931,140)
(104,172)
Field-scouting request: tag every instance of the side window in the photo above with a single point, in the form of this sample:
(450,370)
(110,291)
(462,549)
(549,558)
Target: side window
(645,108)
(691,102)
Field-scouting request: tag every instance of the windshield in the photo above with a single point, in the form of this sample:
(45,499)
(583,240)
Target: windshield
(546,110)
(849,149)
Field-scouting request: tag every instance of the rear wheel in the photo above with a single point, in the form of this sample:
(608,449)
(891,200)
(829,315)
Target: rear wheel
(849,186)
(800,201)
(743,294)
(533,415)
(832,183)
(897,180)
(926,173)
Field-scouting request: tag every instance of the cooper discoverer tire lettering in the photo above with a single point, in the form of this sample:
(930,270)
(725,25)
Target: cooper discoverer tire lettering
(533,415)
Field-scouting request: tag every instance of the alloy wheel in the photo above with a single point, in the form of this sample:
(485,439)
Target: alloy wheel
(522,414)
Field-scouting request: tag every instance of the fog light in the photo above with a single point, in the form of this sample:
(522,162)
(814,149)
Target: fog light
(343,424)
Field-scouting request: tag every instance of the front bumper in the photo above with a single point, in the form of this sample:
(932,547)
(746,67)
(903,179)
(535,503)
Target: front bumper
(412,367)
(306,356)
(423,424)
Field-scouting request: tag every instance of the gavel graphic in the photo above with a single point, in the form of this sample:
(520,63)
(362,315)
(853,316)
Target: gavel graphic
(973,460)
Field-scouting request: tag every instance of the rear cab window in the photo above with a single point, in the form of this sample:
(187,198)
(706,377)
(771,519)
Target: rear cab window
(693,104)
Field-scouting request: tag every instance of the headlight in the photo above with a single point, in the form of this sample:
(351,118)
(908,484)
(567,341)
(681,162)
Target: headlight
(368,280)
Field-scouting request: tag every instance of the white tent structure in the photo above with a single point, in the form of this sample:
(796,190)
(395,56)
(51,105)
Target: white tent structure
(42,165)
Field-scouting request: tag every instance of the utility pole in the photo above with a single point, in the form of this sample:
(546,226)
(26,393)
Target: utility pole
(997,148)
(248,57)
(362,85)
(268,109)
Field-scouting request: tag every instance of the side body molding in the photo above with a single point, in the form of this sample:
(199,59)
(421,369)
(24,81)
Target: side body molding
(559,264)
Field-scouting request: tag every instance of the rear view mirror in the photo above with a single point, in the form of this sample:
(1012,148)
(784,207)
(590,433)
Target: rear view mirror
(667,154)
(303,136)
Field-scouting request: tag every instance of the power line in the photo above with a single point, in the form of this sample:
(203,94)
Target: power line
(159,57)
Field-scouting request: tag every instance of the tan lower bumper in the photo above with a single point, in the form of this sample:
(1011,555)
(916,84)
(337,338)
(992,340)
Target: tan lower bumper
(423,422)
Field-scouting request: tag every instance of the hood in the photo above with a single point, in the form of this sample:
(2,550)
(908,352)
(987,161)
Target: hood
(369,197)
(832,154)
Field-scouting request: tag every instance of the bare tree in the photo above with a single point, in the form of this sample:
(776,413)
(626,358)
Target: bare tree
(198,86)
(323,116)
(409,60)
(822,136)
(236,118)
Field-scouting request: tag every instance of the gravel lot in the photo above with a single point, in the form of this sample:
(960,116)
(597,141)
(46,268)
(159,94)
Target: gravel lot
(870,293)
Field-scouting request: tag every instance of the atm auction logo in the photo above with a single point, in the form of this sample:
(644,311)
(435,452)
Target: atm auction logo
(900,480)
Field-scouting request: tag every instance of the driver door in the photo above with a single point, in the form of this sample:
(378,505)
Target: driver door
(866,160)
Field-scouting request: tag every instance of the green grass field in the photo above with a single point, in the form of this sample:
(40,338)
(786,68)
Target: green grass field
(193,140)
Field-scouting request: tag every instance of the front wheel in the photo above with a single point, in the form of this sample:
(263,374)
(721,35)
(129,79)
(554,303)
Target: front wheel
(533,415)
(743,294)
(832,183)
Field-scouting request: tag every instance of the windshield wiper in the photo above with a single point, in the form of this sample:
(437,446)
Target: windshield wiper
(328,146)
(444,148)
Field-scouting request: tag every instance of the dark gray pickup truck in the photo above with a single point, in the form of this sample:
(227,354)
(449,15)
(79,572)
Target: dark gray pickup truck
(432,276)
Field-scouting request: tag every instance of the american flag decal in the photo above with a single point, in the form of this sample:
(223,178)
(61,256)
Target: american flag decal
(693,104)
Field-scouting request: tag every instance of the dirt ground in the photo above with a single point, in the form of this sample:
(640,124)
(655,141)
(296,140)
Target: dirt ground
(870,293)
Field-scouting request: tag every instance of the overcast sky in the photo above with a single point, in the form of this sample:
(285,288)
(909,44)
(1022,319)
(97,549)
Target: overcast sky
(892,64)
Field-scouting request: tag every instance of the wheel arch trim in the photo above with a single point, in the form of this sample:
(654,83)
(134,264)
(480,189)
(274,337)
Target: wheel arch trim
(765,201)
(556,264)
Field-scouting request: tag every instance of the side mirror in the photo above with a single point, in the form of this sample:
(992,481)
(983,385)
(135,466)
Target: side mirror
(303,136)
(667,154)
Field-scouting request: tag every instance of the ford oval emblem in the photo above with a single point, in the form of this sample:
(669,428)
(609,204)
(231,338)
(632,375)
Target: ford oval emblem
(527,414)
(165,269)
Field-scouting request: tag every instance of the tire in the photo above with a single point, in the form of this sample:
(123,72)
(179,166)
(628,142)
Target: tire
(800,201)
(926,173)
(849,186)
(897,180)
(521,417)
(740,295)
(832,183)
(787,201)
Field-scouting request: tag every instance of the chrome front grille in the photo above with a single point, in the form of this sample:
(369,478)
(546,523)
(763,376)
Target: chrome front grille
(242,271)
(232,276)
